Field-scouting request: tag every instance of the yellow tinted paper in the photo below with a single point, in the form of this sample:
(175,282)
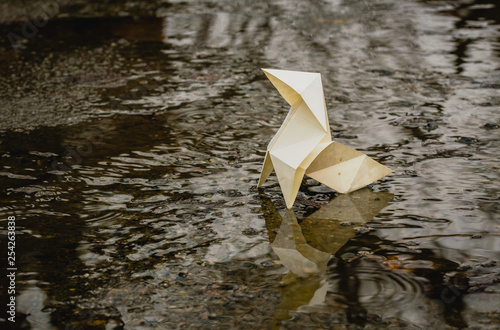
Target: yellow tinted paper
(303,144)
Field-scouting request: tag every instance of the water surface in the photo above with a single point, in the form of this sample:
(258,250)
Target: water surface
(132,137)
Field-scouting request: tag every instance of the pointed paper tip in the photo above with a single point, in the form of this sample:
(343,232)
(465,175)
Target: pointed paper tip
(268,72)
(265,70)
(389,171)
(306,72)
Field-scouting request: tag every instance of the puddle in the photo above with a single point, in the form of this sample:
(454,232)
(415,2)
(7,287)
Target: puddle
(132,137)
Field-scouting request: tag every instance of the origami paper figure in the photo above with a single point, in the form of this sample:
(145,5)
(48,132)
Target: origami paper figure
(303,144)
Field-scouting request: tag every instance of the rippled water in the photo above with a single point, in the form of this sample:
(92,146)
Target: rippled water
(132,137)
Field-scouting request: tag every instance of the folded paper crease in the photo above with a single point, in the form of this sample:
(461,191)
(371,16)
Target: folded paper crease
(303,144)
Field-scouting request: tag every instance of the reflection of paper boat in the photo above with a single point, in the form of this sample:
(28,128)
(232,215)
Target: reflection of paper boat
(324,229)
(291,247)
(303,144)
(306,248)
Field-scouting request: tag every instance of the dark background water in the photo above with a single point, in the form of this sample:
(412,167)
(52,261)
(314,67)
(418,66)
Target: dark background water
(132,135)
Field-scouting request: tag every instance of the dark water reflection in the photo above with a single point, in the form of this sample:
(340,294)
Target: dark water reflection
(132,141)
(305,249)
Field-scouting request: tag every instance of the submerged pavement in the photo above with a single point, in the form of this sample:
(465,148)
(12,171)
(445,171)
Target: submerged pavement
(132,135)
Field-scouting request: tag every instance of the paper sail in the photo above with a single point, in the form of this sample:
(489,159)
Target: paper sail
(303,144)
